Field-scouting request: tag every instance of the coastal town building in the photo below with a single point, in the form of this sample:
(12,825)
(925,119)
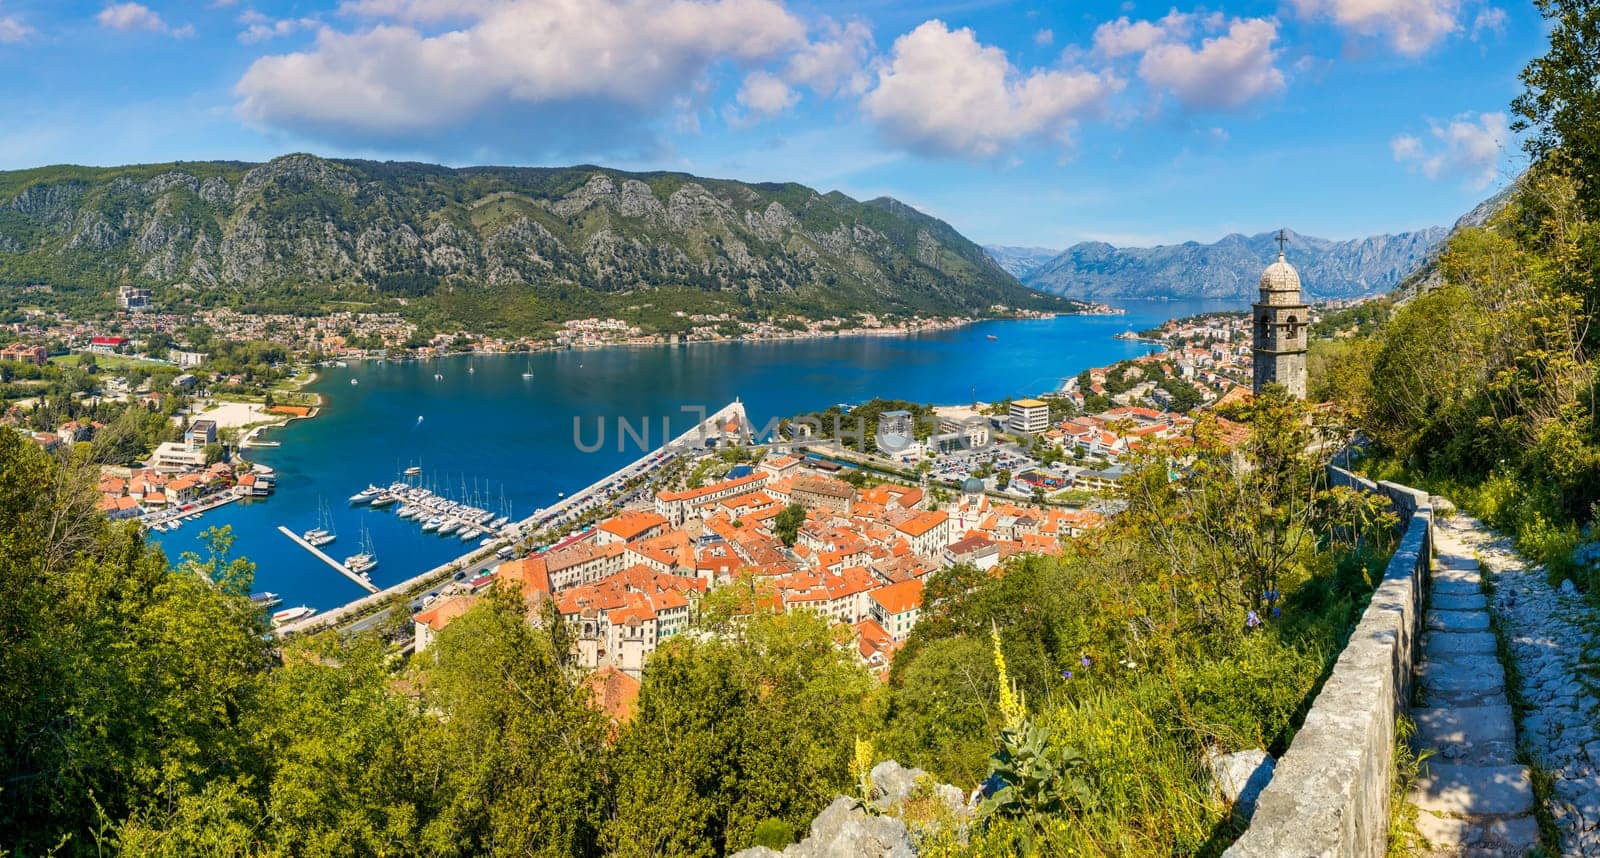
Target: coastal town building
(897,607)
(1029,416)
(133,298)
(429,623)
(174,456)
(822,492)
(677,506)
(200,433)
(24,353)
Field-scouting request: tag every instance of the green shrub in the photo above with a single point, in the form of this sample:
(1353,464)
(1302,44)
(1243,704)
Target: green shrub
(773,834)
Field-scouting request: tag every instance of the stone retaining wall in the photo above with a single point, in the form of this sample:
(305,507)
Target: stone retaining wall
(1329,795)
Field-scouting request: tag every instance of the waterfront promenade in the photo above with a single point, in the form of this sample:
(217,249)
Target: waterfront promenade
(483,558)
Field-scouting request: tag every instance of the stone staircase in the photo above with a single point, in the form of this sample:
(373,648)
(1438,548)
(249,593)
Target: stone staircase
(1473,797)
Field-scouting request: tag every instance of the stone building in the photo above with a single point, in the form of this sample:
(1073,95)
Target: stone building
(1279,330)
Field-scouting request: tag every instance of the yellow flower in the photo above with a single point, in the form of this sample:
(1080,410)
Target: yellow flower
(1010,703)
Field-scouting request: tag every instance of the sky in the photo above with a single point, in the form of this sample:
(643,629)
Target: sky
(1022,123)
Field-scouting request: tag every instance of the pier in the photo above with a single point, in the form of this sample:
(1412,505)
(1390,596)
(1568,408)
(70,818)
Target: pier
(483,557)
(320,555)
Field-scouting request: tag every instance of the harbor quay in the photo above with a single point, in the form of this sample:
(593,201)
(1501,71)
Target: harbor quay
(478,562)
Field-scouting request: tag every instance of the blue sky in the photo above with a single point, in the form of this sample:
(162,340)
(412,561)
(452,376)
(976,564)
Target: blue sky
(1018,122)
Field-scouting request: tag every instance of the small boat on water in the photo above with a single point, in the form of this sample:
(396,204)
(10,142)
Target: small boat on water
(323,533)
(266,600)
(468,533)
(355,381)
(527,375)
(991,337)
(366,495)
(289,615)
(414,470)
(447,528)
(383,499)
(432,525)
(366,560)
(317,537)
(438,377)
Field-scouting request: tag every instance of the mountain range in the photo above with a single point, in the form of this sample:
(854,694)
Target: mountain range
(1226,269)
(495,247)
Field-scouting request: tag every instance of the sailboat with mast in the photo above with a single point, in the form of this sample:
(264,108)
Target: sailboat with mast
(323,533)
(367,560)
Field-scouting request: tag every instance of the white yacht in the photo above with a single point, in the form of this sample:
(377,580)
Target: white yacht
(366,495)
(289,615)
(365,561)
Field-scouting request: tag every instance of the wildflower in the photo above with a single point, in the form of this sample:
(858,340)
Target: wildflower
(1252,620)
(1276,613)
(1066,674)
(1085,661)
(1010,705)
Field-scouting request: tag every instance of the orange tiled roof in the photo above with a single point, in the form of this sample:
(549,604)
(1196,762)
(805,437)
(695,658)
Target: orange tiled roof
(443,613)
(901,597)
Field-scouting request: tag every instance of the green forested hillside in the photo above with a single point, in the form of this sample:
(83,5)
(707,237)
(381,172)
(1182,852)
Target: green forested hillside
(499,248)
(1485,385)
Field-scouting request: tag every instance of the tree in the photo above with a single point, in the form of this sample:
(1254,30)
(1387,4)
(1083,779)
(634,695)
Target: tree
(518,750)
(786,525)
(214,453)
(125,679)
(731,733)
(1561,103)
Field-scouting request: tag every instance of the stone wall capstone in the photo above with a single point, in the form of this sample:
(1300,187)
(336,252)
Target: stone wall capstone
(1329,795)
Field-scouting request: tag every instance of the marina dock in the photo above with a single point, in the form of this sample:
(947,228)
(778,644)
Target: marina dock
(320,555)
(483,557)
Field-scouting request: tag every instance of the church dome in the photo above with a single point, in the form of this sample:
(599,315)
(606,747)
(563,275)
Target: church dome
(1280,276)
(972,486)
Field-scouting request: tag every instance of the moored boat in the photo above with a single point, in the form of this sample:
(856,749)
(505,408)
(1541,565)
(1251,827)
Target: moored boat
(266,600)
(289,615)
(366,495)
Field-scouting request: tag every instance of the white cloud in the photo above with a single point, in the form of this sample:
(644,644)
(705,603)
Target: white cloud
(1469,146)
(135,17)
(1406,147)
(1044,37)
(1489,20)
(1411,27)
(260,28)
(1124,37)
(766,94)
(834,63)
(12,30)
(1225,72)
(941,92)
(539,72)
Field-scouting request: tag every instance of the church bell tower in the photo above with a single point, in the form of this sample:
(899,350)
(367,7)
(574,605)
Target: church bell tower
(1279,327)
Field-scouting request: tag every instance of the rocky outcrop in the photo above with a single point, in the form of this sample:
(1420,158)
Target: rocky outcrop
(845,829)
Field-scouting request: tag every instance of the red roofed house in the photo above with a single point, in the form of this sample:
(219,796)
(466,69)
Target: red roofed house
(927,532)
(433,620)
(24,353)
(677,506)
(630,526)
(897,606)
(614,693)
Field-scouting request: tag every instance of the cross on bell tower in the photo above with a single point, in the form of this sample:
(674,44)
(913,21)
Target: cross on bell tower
(1278,341)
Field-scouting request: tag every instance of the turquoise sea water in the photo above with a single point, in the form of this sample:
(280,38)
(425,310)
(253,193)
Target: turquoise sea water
(493,431)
